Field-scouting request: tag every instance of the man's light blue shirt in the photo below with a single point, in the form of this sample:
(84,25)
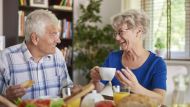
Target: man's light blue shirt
(50,73)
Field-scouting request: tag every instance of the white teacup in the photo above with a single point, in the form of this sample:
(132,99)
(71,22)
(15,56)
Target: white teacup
(107,73)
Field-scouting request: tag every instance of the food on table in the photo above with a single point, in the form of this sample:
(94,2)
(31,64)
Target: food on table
(42,103)
(74,103)
(86,89)
(105,103)
(90,99)
(71,101)
(27,84)
(117,96)
(136,100)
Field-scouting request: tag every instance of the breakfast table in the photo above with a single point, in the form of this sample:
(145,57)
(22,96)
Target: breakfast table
(67,101)
(107,93)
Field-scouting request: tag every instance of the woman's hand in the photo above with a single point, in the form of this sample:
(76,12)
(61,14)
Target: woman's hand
(15,91)
(94,74)
(95,78)
(127,78)
(76,88)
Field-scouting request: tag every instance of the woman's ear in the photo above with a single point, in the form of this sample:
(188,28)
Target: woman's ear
(34,38)
(139,32)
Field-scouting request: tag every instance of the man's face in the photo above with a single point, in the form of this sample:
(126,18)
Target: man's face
(47,42)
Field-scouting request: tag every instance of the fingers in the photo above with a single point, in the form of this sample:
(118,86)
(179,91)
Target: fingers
(20,93)
(129,74)
(118,76)
(96,68)
(134,78)
(14,89)
(76,88)
(123,80)
(126,77)
(94,74)
(14,92)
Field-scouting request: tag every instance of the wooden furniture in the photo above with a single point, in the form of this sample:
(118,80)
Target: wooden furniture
(11,24)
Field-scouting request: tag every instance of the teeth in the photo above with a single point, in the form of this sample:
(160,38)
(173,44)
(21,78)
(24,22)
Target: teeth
(122,43)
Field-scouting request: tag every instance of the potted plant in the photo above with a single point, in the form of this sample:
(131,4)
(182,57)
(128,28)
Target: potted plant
(159,47)
(91,42)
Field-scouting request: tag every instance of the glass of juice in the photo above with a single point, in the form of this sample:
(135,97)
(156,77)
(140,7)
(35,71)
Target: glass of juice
(120,92)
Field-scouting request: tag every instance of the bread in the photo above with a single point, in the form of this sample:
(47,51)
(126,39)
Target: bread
(27,83)
(137,100)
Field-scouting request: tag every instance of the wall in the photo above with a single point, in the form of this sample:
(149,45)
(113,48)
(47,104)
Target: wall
(108,9)
(106,12)
(1,17)
(77,9)
(130,4)
(111,7)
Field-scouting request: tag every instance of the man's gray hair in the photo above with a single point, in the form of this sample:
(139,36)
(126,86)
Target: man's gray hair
(133,18)
(37,21)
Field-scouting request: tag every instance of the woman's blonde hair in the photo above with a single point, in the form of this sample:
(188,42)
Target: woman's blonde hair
(133,18)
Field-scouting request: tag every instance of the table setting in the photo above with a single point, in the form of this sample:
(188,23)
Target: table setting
(70,101)
(110,96)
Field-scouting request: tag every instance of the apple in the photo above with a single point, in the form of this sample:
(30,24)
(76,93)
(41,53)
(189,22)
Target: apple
(105,103)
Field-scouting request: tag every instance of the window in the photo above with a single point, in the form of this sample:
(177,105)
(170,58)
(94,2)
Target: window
(170,22)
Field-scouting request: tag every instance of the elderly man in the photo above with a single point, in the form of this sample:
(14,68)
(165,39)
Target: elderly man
(37,59)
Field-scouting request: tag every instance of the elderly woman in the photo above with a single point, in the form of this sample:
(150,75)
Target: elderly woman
(140,69)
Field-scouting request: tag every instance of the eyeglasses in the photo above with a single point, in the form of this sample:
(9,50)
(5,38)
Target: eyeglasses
(120,32)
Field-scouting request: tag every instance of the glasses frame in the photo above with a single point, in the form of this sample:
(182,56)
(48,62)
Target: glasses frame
(120,32)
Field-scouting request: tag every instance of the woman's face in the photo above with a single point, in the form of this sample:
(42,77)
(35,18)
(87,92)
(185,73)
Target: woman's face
(126,37)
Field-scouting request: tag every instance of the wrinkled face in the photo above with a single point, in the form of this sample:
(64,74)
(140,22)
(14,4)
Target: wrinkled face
(47,42)
(126,37)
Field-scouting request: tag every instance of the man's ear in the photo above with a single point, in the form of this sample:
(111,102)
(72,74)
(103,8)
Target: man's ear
(34,38)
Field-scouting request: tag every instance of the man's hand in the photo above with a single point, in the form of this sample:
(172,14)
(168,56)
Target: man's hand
(15,91)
